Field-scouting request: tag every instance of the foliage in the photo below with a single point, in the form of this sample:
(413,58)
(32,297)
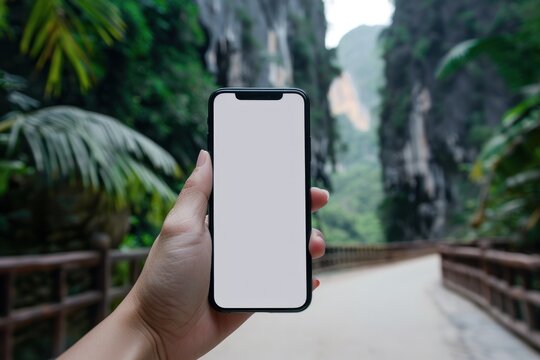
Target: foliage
(70,143)
(7,170)
(509,168)
(248,40)
(509,165)
(155,80)
(351,216)
(514,52)
(3,16)
(59,30)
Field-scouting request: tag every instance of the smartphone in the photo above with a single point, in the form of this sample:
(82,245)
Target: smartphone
(259,211)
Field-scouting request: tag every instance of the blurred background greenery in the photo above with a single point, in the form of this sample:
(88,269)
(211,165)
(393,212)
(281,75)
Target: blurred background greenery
(103,109)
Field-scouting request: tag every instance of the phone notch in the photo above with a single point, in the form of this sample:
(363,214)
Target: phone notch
(259,95)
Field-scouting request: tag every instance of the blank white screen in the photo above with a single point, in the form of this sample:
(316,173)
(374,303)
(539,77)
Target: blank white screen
(259,202)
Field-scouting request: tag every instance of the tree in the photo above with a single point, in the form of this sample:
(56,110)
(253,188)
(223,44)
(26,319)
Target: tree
(508,167)
(60,147)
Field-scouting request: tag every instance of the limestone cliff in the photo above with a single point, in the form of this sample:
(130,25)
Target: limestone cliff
(344,100)
(432,129)
(274,43)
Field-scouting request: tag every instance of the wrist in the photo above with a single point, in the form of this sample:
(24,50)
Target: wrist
(133,317)
(122,335)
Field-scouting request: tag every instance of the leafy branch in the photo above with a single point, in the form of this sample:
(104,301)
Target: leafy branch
(60,30)
(67,142)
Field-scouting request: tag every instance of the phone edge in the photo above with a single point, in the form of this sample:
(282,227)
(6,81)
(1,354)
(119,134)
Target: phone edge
(307,162)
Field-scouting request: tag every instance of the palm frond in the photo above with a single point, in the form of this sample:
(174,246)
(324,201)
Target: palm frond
(103,153)
(464,52)
(59,30)
(521,110)
(507,139)
(509,207)
(523,178)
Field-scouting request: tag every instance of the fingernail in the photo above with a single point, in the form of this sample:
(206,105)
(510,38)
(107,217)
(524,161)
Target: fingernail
(202,158)
(319,233)
(317,282)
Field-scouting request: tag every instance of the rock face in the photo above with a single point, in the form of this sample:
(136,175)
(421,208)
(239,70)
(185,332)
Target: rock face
(274,43)
(359,54)
(430,128)
(344,100)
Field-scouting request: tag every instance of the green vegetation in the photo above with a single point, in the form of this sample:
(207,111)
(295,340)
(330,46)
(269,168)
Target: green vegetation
(248,40)
(352,215)
(459,114)
(70,144)
(155,80)
(67,30)
(508,167)
(138,62)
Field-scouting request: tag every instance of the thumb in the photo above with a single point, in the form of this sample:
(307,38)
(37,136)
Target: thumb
(189,211)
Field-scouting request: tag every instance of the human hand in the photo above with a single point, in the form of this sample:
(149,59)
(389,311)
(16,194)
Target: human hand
(169,302)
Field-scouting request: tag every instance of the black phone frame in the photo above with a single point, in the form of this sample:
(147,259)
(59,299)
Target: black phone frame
(264,94)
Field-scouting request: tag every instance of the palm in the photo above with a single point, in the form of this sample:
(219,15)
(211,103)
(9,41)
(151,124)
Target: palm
(177,306)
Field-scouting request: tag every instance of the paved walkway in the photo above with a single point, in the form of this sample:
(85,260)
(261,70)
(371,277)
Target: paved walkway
(397,311)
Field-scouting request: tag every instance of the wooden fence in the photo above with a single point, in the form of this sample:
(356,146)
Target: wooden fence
(58,266)
(345,256)
(101,294)
(505,284)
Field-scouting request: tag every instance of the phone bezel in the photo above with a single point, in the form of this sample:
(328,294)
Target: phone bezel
(255,94)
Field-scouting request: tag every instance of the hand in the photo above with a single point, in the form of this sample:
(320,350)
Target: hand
(169,302)
(172,293)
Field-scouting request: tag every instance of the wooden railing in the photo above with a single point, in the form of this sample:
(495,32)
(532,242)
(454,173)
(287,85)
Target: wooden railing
(505,284)
(340,257)
(58,266)
(101,294)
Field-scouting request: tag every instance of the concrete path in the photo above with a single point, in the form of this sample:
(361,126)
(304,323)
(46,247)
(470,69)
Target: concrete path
(397,311)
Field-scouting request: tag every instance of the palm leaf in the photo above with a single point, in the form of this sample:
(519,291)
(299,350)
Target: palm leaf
(507,139)
(464,52)
(63,29)
(523,178)
(103,153)
(521,110)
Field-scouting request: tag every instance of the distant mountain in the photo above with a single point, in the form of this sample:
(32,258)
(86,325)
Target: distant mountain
(352,215)
(359,54)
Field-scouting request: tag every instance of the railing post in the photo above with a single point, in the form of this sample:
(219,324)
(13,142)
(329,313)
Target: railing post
(102,242)
(486,290)
(527,307)
(509,308)
(60,293)
(6,304)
